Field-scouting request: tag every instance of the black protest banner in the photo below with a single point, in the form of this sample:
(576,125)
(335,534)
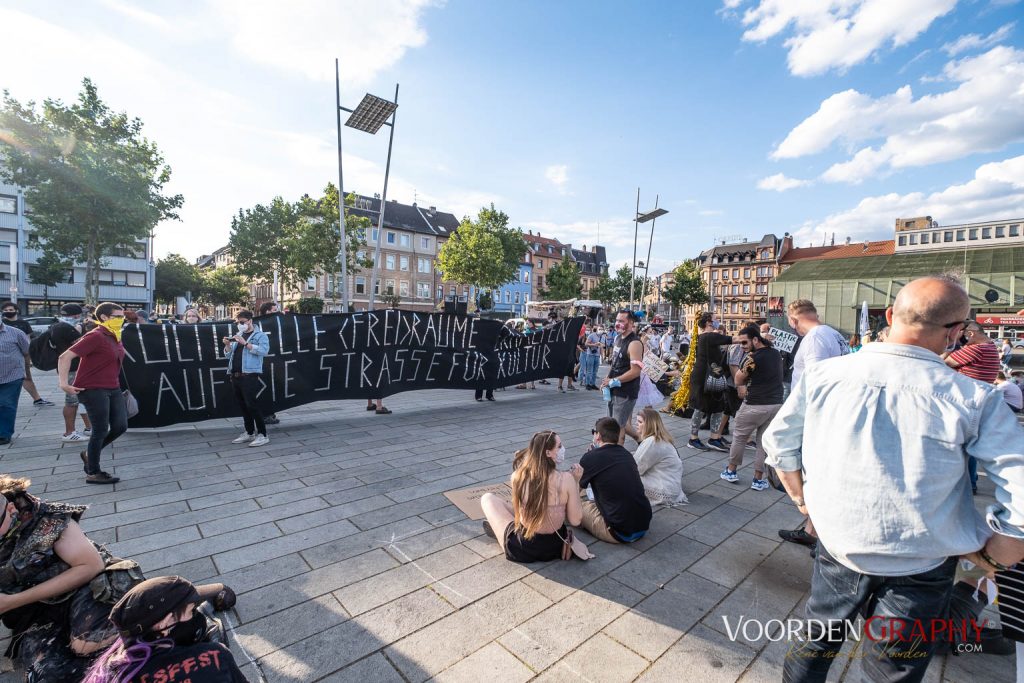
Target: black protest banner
(178,373)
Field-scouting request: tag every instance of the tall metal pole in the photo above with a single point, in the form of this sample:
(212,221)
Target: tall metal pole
(636,230)
(383,203)
(343,252)
(647,263)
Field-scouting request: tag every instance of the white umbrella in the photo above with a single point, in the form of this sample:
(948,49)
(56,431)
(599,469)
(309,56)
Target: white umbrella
(865,326)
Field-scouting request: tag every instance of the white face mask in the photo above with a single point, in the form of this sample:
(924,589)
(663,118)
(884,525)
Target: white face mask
(243,328)
(560,454)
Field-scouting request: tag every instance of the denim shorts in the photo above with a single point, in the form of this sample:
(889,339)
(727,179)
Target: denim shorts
(71,399)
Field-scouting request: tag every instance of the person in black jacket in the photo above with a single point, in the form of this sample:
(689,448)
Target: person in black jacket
(63,334)
(708,361)
(620,511)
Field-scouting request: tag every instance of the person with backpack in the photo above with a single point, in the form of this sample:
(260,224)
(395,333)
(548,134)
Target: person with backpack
(59,338)
(10,312)
(97,384)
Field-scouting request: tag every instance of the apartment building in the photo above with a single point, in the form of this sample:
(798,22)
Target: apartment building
(924,234)
(593,265)
(737,277)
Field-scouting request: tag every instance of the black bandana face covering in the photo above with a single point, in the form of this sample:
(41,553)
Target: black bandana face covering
(188,632)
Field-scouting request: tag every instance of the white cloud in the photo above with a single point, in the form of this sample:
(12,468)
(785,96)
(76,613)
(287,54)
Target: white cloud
(710,212)
(838,34)
(558,175)
(981,114)
(138,14)
(306,36)
(974,41)
(780,182)
(996,192)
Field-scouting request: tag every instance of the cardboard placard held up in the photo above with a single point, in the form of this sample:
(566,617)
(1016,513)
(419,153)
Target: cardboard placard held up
(654,366)
(782,340)
(468,500)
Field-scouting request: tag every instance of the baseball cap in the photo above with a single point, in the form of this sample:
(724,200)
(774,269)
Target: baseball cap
(71,309)
(150,601)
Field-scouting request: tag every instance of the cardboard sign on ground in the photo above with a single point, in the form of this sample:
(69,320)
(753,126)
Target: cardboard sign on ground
(468,500)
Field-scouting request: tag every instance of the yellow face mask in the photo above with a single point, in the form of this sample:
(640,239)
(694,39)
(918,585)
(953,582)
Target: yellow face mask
(114,325)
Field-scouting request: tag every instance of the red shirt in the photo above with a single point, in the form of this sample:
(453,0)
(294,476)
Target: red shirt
(978,361)
(101,356)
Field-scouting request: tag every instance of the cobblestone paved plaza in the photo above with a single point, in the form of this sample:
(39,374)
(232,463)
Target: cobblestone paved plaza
(351,565)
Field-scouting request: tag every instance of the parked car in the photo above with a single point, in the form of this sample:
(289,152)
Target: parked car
(40,324)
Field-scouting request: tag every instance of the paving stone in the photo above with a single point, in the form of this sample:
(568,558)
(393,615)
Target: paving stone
(245,538)
(481,579)
(717,525)
(142,544)
(600,659)
(265,573)
(222,522)
(174,518)
(650,570)
(399,511)
(300,522)
(418,656)
(653,625)
(373,669)
(379,537)
(282,545)
(491,663)
(263,636)
(734,558)
(552,634)
(704,656)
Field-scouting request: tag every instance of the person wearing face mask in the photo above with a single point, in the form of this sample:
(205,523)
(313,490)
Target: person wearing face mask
(620,511)
(164,636)
(14,348)
(10,313)
(708,403)
(63,334)
(873,447)
(532,528)
(245,352)
(97,384)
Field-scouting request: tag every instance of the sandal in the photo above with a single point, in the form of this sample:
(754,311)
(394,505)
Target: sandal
(383,411)
(371,407)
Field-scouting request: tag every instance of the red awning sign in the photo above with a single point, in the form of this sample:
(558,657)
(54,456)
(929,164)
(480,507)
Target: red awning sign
(1001,319)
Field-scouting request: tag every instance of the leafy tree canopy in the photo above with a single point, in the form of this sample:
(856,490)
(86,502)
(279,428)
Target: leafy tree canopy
(563,281)
(222,287)
(310,304)
(485,253)
(175,277)
(687,286)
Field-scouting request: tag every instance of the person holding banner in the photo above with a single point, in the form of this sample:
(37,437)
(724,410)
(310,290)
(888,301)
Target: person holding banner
(245,352)
(98,386)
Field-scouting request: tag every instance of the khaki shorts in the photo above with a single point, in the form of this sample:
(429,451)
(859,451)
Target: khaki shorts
(594,523)
(71,399)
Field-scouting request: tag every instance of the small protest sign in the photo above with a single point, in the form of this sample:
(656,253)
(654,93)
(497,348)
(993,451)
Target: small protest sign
(468,500)
(782,340)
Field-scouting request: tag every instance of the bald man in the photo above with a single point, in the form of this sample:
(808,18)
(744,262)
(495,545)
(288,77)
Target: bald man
(873,446)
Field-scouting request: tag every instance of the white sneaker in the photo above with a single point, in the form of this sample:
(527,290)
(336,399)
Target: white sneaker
(260,440)
(72,437)
(87,432)
(243,438)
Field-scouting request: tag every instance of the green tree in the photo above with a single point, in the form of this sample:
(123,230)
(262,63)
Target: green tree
(563,281)
(310,304)
(605,291)
(175,277)
(615,289)
(391,299)
(222,287)
(259,241)
(484,253)
(687,288)
(94,183)
(49,270)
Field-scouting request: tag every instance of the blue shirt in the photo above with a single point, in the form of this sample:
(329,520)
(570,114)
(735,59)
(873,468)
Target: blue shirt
(883,438)
(13,348)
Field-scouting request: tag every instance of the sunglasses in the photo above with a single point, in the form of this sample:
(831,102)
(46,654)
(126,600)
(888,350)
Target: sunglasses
(951,325)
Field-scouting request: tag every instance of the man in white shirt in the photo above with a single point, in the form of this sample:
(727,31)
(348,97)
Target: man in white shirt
(818,342)
(666,342)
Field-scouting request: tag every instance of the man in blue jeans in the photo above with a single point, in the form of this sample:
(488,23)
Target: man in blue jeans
(13,352)
(873,446)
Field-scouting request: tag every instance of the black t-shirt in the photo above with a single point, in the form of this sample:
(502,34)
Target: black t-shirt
(19,324)
(618,491)
(236,357)
(199,663)
(765,385)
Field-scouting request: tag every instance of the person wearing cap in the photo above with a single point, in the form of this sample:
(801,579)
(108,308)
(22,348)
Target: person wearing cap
(165,636)
(47,568)
(63,334)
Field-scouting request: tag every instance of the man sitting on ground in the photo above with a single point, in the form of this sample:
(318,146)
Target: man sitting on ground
(620,511)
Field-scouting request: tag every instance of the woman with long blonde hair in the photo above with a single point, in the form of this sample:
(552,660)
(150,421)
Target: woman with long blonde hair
(660,468)
(532,528)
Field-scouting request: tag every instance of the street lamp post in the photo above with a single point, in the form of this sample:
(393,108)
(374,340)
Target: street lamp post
(370,114)
(642,218)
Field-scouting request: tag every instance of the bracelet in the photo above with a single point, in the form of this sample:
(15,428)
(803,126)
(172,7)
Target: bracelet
(988,559)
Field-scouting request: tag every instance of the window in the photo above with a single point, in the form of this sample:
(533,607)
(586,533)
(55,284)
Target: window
(424,243)
(714,275)
(733,309)
(422,290)
(390,237)
(390,261)
(361,255)
(903,240)
(373,235)
(440,292)
(135,279)
(766,253)
(451,290)
(423,265)
(310,284)
(760,307)
(973,233)
(924,238)
(960,235)
(540,263)
(746,308)
(403,288)
(909,224)
(746,289)
(1015,230)
(936,238)
(376,287)
(526,276)
(1000,231)
(746,272)
(405,240)
(8,205)
(134,251)
(403,263)
(540,281)
(515,299)
(508,297)
(735,290)
(947,236)
(913,239)
(389,286)
(986,233)
(736,273)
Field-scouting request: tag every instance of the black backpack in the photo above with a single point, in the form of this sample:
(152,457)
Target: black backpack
(43,353)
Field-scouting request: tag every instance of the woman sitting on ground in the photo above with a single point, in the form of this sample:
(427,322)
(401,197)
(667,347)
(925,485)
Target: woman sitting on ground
(57,586)
(532,528)
(163,632)
(660,468)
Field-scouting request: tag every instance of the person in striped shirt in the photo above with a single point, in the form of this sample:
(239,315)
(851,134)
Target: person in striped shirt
(977,358)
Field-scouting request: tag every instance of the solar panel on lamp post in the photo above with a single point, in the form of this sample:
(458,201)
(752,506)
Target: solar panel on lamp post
(653,217)
(641,218)
(371,113)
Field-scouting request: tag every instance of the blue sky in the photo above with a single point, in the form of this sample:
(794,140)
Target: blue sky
(743,116)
